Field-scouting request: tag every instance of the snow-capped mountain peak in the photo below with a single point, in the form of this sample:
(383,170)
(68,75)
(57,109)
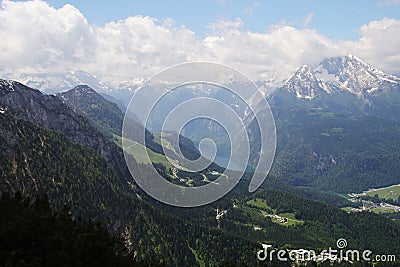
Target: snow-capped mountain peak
(354,75)
(305,84)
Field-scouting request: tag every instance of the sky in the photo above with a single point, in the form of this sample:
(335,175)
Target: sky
(340,20)
(124,40)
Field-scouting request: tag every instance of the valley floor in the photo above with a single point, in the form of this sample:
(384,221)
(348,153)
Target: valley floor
(376,199)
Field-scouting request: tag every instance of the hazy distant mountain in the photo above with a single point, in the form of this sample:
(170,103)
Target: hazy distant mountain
(51,83)
(59,82)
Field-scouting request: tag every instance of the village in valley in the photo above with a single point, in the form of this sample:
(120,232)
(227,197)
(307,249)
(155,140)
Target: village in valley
(379,200)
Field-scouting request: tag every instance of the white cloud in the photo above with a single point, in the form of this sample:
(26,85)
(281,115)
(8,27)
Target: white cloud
(281,50)
(222,26)
(140,46)
(39,38)
(36,36)
(379,44)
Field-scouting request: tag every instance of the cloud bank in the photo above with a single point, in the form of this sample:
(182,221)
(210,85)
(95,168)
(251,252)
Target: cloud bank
(37,38)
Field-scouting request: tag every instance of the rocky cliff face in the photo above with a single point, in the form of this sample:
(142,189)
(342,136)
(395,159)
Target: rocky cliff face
(50,112)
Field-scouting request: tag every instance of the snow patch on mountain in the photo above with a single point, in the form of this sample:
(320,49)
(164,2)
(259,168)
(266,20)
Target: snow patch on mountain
(305,84)
(7,85)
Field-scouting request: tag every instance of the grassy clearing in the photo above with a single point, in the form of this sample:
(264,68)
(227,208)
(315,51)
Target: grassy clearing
(256,207)
(139,152)
(392,192)
(381,210)
(143,154)
(253,213)
(288,215)
(261,204)
(166,143)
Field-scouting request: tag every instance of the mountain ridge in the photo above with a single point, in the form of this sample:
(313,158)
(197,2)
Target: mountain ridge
(341,80)
(49,112)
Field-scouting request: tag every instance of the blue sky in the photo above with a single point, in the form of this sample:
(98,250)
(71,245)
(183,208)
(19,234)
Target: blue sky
(338,19)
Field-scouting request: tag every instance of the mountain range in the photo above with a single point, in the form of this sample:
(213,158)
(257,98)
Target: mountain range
(50,83)
(345,82)
(354,91)
(338,132)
